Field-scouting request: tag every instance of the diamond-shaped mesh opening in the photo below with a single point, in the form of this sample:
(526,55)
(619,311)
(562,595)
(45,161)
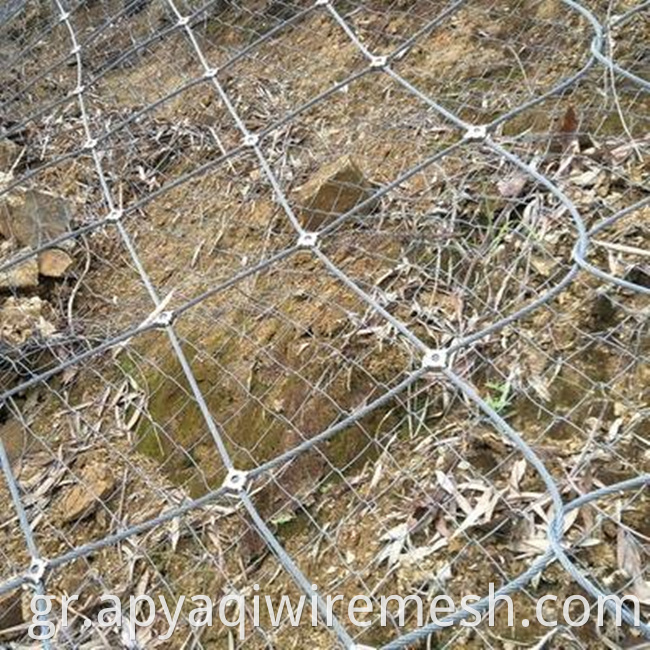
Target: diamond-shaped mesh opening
(494,45)
(209,229)
(321,184)
(346,294)
(297,370)
(268,80)
(449,263)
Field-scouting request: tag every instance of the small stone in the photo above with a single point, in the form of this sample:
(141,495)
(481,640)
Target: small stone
(11,613)
(81,501)
(32,218)
(21,276)
(22,319)
(335,189)
(53,263)
(9,153)
(543,265)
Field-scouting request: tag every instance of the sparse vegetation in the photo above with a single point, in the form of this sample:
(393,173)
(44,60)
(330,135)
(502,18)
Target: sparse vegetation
(428,239)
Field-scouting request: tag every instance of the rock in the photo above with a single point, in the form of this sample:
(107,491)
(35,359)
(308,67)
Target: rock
(604,312)
(20,276)
(9,153)
(22,319)
(82,500)
(638,275)
(14,440)
(11,614)
(53,263)
(333,191)
(31,217)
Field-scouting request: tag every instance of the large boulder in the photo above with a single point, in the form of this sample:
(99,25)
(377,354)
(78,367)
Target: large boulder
(334,190)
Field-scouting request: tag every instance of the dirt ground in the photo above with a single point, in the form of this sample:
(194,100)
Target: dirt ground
(422,495)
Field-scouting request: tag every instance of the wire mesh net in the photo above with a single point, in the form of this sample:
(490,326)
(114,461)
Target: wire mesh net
(324,298)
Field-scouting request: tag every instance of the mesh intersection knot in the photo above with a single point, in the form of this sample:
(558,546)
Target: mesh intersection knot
(476,133)
(115,215)
(163,319)
(435,360)
(36,571)
(308,240)
(236,480)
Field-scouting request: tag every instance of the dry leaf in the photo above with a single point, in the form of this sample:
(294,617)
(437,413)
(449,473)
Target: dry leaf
(568,127)
(517,473)
(629,560)
(562,137)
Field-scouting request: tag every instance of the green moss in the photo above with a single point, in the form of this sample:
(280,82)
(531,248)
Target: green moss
(260,419)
